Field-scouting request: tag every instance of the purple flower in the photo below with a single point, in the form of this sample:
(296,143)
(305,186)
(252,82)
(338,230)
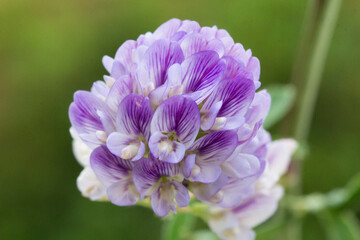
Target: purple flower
(178,112)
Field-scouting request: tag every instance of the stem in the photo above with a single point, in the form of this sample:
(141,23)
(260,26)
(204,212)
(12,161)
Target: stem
(315,53)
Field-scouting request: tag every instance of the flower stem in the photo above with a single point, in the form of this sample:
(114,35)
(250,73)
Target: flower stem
(322,17)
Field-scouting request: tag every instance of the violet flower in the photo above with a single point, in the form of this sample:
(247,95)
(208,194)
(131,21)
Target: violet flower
(178,113)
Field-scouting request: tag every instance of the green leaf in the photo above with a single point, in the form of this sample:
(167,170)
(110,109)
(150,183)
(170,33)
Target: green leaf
(282,99)
(340,226)
(178,226)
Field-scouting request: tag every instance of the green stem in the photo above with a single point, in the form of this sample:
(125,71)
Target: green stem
(315,52)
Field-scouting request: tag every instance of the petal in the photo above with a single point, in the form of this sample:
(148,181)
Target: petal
(166,150)
(157,59)
(83,114)
(232,193)
(236,95)
(187,165)
(90,186)
(118,91)
(215,147)
(109,168)
(147,173)
(80,149)
(108,63)
(209,116)
(192,44)
(167,196)
(254,66)
(118,70)
(167,29)
(134,116)
(125,52)
(236,69)
(201,72)
(180,115)
(205,191)
(100,89)
(258,208)
(189,26)
(205,173)
(241,165)
(123,192)
(124,146)
(259,108)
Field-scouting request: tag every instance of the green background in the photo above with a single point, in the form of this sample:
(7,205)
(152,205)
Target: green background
(50,49)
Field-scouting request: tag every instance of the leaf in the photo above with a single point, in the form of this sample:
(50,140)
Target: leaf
(178,226)
(204,235)
(282,99)
(340,226)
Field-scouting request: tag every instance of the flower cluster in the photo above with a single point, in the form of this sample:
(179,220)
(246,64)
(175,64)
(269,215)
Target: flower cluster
(177,116)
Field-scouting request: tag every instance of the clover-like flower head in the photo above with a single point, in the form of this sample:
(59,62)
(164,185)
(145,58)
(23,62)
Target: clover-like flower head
(178,113)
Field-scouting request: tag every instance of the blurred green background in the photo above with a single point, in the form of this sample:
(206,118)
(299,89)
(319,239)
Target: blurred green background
(50,49)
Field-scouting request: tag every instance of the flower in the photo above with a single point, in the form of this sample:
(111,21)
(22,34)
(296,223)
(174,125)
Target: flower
(178,113)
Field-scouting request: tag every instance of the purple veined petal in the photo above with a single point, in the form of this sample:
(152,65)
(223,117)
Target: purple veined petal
(187,165)
(225,38)
(236,69)
(246,134)
(166,150)
(209,32)
(118,91)
(177,37)
(167,29)
(125,146)
(212,150)
(236,95)
(205,191)
(134,116)
(259,108)
(233,193)
(107,121)
(147,173)
(215,147)
(125,54)
(241,165)
(201,73)
(233,122)
(83,113)
(189,26)
(238,52)
(192,44)
(108,167)
(100,89)
(254,66)
(217,46)
(123,192)
(168,196)
(172,86)
(108,63)
(118,69)
(205,173)
(208,117)
(258,208)
(156,60)
(180,115)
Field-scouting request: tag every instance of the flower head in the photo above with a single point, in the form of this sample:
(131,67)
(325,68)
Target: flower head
(178,113)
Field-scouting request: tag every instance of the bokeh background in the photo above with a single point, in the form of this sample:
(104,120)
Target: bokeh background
(50,49)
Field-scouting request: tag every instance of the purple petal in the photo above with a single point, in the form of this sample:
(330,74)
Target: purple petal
(180,115)
(166,150)
(109,168)
(209,116)
(123,192)
(201,72)
(254,66)
(83,113)
(118,70)
(100,89)
(205,173)
(205,191)
(125,146)
(187,165)
(241,165)
(192,44)
(156,60)
(147,173)
(125,52)
(236,95)
(232,193)
(215,147)
(236,69)
(134,116)
(167,29)
(189,26)
(259,108)
(118,91)
(258,208)
(108,63)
